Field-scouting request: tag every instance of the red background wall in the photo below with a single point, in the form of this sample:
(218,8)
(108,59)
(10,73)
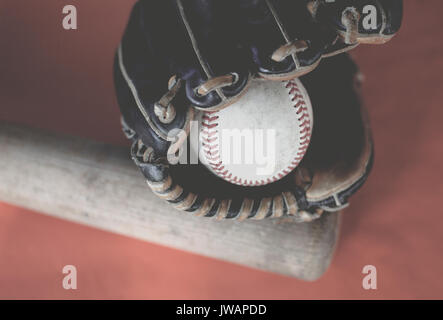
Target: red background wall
(61,80)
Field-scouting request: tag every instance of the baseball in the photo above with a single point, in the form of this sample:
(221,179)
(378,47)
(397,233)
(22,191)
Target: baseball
(260,138)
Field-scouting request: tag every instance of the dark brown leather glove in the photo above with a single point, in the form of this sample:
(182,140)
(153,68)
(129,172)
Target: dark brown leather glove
(179,56)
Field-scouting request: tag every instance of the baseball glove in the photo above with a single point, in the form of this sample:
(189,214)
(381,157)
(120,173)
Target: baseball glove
(182,56)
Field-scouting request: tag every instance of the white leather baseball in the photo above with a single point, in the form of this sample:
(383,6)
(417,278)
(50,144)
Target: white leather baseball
(260,138)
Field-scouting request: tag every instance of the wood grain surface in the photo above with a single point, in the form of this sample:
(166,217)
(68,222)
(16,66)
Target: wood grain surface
(97,185)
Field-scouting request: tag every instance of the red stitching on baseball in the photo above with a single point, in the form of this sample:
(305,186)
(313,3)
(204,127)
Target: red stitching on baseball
(210,134)
(209,126)
(210,152)
(307,136)
(211,147)
(297,96)
(300,103)
(210,118)
(210,140)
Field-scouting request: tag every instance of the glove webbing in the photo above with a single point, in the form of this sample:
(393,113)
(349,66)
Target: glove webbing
(284,204)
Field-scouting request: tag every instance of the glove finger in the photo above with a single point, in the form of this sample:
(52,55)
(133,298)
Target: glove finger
(360,21)
(141,72)
(284,41)
(218,72)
